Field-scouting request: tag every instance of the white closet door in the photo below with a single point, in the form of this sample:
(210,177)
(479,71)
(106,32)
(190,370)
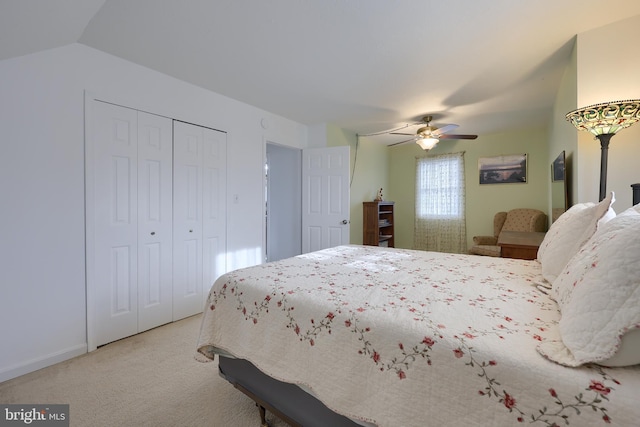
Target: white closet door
(129,220)
(214,215)
(199,215)
(112,271)
(155,175)
(156,219)
(187,219)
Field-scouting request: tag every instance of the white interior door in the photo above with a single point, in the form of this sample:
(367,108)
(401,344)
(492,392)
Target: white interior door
(199,215)
(156,219)
(129,241)
(325,198)
(155,175)
(214,208)
(112,270)
(187,219)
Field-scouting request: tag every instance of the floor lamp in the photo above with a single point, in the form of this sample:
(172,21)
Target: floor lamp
(605,120)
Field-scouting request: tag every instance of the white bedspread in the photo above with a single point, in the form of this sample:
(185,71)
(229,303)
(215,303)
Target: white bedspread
(410,338)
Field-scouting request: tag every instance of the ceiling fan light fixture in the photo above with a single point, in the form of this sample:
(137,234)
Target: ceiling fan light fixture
(428,136)
(427,143)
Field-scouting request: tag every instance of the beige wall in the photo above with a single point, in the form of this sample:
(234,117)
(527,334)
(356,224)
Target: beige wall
(483,201)
(607,70)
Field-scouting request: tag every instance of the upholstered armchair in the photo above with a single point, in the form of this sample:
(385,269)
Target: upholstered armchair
(529,220)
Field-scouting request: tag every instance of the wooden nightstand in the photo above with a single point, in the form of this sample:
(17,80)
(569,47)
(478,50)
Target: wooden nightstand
(521,245)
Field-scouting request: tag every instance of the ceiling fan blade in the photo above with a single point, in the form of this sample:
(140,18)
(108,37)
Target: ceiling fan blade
(457,136)
(444,129)
(402,142)
(398,133)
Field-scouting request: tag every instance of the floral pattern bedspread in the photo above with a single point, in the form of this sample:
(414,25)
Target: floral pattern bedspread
(399,337)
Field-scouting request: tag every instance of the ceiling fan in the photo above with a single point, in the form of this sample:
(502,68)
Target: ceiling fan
(428,136)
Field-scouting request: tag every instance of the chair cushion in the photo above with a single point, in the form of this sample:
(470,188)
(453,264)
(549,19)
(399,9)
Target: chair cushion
(521,220)
(486,250)
(485,240)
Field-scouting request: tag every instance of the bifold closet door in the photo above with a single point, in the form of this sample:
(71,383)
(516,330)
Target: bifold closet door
(199,215)
(129,219)
(155,221)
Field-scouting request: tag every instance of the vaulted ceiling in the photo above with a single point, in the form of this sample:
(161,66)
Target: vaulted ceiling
(363,65)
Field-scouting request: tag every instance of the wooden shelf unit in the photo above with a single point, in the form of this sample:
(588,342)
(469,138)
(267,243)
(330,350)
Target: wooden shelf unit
(377,224)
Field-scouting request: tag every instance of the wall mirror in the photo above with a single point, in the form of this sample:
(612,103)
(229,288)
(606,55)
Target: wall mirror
(559,192)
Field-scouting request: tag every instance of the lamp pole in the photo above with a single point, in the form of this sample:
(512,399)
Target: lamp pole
(604,155)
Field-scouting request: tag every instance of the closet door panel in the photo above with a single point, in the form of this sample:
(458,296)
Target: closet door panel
(155,249)
(187,219)
(214,225)
(114,274)
(156,219)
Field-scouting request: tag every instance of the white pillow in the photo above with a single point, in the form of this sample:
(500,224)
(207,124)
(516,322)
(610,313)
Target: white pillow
(608,216)
(599,298)
(568,233)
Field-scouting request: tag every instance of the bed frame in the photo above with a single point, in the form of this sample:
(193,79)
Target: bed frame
(287,401)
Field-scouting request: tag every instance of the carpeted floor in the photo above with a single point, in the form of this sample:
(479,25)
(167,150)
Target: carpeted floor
(150,379)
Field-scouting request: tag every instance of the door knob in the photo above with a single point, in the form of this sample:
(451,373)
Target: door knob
(153,233)
(345,222)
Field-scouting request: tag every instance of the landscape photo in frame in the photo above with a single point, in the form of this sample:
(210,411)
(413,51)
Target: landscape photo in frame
(503,169)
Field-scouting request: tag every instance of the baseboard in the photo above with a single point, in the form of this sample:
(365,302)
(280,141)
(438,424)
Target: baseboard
(41,362)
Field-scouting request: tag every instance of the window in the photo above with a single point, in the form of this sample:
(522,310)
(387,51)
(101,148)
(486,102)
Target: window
(440,203)
(440,187)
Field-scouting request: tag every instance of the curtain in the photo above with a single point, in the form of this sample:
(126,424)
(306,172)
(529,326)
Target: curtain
(440,223)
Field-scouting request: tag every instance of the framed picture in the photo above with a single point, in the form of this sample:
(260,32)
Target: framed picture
(503,169)
(558,168)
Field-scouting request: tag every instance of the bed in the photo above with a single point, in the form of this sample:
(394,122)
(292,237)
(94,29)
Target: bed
(393,337)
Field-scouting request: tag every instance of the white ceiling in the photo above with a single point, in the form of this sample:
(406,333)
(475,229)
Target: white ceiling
(363,65)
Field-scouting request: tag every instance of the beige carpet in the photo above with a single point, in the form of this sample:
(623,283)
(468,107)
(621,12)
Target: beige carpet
(150,379)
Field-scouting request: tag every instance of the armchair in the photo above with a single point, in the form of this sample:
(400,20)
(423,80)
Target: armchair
(528,220)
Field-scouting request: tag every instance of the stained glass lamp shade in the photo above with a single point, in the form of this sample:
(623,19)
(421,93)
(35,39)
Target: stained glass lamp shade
(605,120)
